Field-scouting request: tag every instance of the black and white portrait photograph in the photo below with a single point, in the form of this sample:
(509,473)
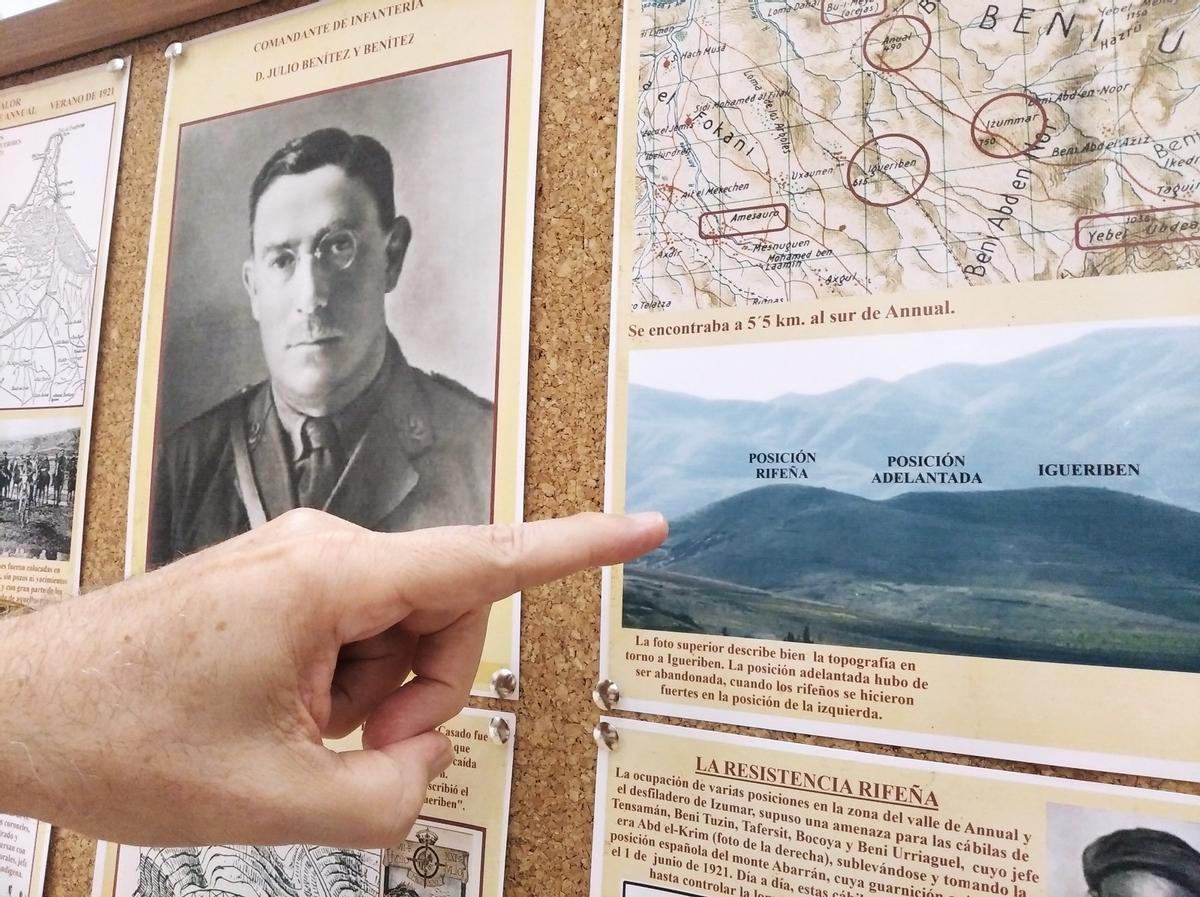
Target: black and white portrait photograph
(38,460)
(332,307)
(1110,853)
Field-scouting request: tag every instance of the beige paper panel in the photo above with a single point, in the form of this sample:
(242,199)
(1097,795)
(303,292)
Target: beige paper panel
(457,845)
(1024,710)
(24,848)
(551,833)
(60,145)
(361,49)
(863,646)
(700,813)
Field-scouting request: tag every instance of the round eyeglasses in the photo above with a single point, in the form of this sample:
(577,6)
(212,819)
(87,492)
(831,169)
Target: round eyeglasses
(336,251)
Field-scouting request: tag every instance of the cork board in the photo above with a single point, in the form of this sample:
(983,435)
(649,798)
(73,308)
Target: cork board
(554,775)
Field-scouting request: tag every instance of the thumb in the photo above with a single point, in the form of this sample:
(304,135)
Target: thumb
(375,796)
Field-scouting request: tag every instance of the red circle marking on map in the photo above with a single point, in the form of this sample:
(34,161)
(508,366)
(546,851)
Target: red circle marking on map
(879,64)
(978,132)
(875,141)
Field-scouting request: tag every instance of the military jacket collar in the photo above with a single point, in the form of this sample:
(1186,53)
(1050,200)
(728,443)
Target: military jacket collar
(379,473)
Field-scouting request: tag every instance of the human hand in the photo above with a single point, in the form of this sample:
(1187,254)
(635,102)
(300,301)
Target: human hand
(187,706)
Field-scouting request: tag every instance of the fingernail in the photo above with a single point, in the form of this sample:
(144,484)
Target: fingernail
(646,518)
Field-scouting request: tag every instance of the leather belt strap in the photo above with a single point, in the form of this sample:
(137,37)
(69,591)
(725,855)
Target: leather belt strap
(245,473)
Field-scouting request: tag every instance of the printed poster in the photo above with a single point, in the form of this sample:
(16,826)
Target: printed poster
(696,813)
(905,331)
(24,849)
(337,297)
(456,848)
(60,146)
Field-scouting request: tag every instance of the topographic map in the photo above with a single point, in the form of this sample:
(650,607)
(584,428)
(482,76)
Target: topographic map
(810,148)
(229,871)
(47,266)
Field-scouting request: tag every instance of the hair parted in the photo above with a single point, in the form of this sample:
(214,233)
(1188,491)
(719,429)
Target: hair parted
(361,157)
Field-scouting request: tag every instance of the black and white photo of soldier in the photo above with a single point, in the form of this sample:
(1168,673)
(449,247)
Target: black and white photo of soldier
(1103,853)
(1141,862)
(337,413)
(38,462)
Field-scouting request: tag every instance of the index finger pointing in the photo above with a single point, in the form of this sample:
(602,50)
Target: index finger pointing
(455,569)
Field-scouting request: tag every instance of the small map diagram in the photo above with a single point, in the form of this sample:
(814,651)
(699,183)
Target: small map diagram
(798,149)
(47,277)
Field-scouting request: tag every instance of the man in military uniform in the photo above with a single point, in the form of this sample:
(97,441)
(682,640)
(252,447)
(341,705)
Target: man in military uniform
(1141,862)
(343,423)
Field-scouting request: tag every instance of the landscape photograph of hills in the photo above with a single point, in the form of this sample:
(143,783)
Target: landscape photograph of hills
(1027,493)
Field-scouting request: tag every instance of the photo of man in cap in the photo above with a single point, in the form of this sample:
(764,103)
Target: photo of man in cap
(343,422)
(1141,862)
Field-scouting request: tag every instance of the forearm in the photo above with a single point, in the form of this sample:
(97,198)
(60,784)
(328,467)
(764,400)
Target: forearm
(31,700)
(80,699)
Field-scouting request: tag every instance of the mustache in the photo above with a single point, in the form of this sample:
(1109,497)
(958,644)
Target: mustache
(314,328)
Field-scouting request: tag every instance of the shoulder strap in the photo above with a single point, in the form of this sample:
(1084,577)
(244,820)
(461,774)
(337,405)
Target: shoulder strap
(245,473)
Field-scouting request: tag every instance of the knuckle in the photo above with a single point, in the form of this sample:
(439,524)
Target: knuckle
(311,548)
(505,543)
(301,521)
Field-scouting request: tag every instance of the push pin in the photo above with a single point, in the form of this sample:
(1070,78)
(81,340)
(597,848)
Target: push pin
(605,735)
(504,683)
(499,731)
(606,694)
(174,51)
(116,65)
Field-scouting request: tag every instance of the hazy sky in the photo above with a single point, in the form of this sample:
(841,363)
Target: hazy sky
(765,371)
(17,428)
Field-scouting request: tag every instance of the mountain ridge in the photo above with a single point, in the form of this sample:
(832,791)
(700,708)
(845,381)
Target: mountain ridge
(1122,395)
(1067,574)
(783,536)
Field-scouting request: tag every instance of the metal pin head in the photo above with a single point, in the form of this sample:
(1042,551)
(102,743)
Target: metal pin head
(504,683)
(605,735)
(606,694)
(174,51)
(116,65)
(499,731)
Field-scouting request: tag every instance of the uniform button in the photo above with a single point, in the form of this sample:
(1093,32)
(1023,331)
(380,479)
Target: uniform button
(418,430)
